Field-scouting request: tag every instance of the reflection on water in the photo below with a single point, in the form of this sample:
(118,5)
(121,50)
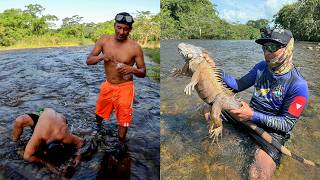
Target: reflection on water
(59,78)
(186,152)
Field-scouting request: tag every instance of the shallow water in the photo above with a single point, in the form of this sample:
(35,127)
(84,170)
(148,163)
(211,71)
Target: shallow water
(186,151)
(59,78)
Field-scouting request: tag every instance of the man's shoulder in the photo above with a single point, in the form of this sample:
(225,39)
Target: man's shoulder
(298,77)
(133,43)
(298,84)
(105,37)
(261,64)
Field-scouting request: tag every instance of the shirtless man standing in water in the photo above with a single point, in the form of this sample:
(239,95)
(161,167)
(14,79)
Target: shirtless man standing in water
(119,55)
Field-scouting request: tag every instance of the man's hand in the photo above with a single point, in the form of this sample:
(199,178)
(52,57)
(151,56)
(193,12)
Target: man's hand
(106,57)
(244,113)
(76,161)
(124,69)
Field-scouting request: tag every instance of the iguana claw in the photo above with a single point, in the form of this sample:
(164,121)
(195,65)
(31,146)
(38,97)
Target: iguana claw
(214,133)
(189,88)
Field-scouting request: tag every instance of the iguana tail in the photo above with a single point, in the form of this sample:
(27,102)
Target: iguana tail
(266,136)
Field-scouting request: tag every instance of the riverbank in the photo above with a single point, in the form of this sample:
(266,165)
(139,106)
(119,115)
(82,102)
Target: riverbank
(154,54)
(57,41)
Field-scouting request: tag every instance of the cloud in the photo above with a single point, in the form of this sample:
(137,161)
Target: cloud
(244,10)
(235,15)
(273,6)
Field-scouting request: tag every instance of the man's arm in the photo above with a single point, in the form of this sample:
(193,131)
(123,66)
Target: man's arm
(284,122)
(292,109)
(95,57)
(31,148)
(140,70)
(19,124)
(72,139)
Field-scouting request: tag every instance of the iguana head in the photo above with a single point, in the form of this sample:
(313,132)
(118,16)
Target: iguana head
(193,55)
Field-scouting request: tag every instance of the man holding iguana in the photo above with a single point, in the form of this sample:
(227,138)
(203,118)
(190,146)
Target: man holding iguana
(280,95)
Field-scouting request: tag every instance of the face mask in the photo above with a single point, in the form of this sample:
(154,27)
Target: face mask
(283,63)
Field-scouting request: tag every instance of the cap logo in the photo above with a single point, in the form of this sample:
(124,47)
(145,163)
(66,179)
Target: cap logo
(278,30)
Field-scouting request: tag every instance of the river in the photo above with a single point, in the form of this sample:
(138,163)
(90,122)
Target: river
(59,78)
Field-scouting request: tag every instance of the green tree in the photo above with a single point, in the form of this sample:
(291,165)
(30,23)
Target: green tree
(71,26)
(302,18)
(198,19)
(34,9)
(260,23)
(146,27)
(30,25)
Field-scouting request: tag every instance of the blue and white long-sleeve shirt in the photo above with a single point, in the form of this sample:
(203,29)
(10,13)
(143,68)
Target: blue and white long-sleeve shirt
(278,100)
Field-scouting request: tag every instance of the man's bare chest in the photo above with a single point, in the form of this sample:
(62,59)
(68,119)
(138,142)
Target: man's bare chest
(119,54)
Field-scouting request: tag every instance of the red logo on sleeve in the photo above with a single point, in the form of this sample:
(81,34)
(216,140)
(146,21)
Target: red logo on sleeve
(297,105)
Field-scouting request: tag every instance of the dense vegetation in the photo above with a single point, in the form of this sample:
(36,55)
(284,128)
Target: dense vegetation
(302,18)
(198,19)
(30,27)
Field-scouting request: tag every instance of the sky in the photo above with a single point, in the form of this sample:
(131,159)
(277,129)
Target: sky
(244,10)
(91,10)
(105,10)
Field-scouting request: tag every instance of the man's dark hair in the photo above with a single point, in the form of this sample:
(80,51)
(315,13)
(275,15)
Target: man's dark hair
(124,18)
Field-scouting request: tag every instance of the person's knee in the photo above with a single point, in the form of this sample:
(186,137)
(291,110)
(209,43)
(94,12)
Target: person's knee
(263,166)
(264,160)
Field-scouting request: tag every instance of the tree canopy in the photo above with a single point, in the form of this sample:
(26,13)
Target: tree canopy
(198,19)
(302,18)
(18,24)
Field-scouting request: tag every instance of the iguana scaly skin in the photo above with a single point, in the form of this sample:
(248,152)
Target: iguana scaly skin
(211,89)
(209,86)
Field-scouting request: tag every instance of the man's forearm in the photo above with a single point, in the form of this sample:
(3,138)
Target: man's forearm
(279,123)
(47,164)
(92,60)
(141,72)
(35,159)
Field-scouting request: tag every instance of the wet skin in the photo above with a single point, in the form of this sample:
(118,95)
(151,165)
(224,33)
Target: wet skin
(119,55)
(51,126)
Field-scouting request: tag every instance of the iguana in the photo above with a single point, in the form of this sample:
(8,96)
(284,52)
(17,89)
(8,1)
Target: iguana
(212,90)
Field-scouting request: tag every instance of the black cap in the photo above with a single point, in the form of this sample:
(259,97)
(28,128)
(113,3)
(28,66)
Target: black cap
(281,36)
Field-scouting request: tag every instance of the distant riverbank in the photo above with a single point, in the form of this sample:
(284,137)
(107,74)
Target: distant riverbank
(57,41)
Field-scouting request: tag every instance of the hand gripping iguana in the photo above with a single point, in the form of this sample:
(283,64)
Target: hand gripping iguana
(211,89)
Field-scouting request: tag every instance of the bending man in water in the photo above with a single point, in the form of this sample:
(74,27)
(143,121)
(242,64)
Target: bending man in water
(119,54)
(280,95)
(50,133)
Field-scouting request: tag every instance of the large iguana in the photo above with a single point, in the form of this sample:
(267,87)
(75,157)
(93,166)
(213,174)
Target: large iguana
(211,89)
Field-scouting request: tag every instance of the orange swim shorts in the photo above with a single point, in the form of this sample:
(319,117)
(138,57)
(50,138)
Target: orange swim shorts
(118,97)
